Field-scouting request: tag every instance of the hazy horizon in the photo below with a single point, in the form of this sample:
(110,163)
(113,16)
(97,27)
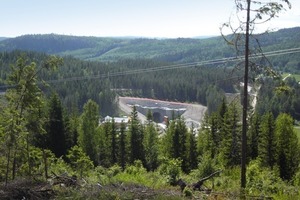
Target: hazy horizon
(131,18)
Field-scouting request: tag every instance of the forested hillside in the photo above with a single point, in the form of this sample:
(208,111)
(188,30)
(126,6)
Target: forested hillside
(41,141)
(76,81)
(181,50)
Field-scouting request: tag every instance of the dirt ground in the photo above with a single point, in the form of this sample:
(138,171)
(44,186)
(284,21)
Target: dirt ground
(38,190)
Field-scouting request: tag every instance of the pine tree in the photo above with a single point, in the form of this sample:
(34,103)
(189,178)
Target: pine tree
(288,146)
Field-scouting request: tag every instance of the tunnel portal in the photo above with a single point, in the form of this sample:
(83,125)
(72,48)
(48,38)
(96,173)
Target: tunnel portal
(159,113)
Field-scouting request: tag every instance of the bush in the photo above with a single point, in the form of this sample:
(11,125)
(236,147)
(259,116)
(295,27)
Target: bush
(80,162)
(136,168)
(206,167)
(187,192)
(171,168)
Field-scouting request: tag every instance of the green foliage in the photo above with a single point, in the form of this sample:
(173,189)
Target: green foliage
(187,192)
(87,129)
(59,166)
(191,151)
(135,139)
(136,168)
(229,181)
(267,141)
(172,50)
(171,169)
(56,135)
(280,97)
(24,102)
(231,144)
(206,167)
(151,147)
(253,136)
(122,146)
(176,142)
(79,161)
(137,174)
(262,181)
(288,147)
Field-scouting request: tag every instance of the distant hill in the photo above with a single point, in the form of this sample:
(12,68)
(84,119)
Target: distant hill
(180,50)
(3,38)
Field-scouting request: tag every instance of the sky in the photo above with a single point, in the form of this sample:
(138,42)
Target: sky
(114,18)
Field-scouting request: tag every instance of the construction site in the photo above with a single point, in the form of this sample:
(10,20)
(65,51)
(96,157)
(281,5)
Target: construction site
(164,110)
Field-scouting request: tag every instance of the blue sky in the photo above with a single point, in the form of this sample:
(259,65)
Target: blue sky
(147,18)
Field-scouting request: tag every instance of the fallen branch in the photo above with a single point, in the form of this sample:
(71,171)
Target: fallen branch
(198,184)
(182,184)
(64,180)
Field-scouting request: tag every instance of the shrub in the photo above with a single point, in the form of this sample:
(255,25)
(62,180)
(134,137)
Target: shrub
(80,162)
(187,192)
(171,168)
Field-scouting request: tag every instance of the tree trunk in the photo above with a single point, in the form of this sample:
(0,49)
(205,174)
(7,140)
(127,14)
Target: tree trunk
(245,102)
(7,166)
(45,163)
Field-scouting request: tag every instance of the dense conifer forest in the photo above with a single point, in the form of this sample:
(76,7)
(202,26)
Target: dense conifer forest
(52,104)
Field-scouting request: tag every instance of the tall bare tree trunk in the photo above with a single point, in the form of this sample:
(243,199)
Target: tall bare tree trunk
(245,102)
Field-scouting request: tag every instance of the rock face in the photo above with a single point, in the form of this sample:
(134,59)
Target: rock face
(192,113)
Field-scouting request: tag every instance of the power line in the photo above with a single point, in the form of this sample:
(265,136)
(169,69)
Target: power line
(170,67)
(177,66)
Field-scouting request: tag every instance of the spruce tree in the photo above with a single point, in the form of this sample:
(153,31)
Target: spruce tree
(122,146)
(215,136)
(56,127)
(288,146)
(151,146)
(87,129)
(267,141)
(114,146)
(135,135)
(179,143)
(253,135)
(231,145)
(191,153)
